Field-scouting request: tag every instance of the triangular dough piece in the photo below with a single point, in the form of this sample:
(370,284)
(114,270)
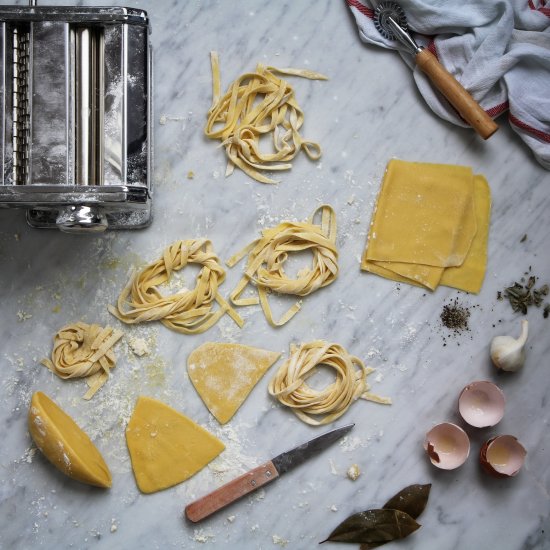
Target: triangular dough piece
(224,375)
(165,446)
(64,444)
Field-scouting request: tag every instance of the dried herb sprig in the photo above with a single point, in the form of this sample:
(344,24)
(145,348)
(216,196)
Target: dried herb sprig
(522,296)
(396,520)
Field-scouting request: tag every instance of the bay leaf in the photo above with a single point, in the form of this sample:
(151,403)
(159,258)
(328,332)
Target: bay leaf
(374,526)
(411,500)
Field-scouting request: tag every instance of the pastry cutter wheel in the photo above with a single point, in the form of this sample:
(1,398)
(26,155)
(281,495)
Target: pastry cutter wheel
(391,23)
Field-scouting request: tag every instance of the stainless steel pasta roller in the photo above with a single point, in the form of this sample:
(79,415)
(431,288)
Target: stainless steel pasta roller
(391,22)
(75,116)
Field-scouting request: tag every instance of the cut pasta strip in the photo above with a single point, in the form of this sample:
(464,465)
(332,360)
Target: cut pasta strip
(259,104)
(267,255)
(317,407)
(84,351)
(188,311)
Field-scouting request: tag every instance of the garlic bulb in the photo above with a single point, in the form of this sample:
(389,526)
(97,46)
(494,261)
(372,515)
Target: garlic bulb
(507,353)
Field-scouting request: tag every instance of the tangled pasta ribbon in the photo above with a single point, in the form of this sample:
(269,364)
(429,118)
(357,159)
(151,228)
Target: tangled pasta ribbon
(84,351)
(188,311)
(267,255)
(258,104)
(317,407)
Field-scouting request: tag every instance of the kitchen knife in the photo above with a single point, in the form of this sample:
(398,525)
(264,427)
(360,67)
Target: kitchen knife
(261,475)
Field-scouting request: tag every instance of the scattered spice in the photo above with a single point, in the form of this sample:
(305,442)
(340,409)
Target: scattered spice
(523,294)
(396,520)
(455,316)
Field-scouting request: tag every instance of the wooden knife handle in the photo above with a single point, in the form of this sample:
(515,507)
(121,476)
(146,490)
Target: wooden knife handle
(456,94)
(230,492)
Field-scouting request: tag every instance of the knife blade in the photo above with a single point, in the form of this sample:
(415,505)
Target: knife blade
(261,475)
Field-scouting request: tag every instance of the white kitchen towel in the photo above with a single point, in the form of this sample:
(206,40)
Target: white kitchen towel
(499,50)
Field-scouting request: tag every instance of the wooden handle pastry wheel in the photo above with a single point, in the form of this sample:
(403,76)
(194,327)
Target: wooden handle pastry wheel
(456,94)
(391,22)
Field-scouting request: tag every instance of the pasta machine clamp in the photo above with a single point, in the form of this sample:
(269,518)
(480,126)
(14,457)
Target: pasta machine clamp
(75,116)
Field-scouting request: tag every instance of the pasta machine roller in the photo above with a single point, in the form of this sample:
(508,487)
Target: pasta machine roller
(75,116)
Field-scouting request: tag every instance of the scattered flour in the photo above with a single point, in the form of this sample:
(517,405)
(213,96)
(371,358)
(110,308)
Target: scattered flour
(259,495)
(349,444)
(200,535)
(28,455)
(23,316)
(280,541)
(232,461)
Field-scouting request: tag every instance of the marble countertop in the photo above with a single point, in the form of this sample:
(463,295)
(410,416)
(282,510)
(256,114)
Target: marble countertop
(368,112)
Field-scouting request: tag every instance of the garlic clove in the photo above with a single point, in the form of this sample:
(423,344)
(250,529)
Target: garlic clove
(502,456)
(508,353)
(481,404)
(447,446)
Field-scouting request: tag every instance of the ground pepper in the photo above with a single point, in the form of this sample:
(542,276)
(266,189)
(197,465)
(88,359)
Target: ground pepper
(455,316)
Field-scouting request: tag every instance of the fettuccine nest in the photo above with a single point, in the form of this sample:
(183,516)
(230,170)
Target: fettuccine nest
(255,105)
(84,351)
(190,311)
(317,407)
(268,254)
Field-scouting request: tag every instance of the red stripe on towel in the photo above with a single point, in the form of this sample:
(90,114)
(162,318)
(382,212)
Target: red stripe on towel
(537,133)
(361,8)
(542,9)
(498,109)
(431,47)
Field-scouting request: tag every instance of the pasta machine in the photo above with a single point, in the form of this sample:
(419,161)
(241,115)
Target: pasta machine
(75,116)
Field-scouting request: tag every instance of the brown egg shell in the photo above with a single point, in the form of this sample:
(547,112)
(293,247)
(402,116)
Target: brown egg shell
(516,449)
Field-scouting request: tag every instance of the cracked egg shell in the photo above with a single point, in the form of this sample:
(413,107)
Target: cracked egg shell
(502,456)
(447,445)
(481,404)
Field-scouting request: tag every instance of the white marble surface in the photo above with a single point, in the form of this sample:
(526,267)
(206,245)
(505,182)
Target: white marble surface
(365,114)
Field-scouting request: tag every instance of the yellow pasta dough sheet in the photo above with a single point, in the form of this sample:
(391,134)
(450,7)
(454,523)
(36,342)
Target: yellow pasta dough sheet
(469,276)
(165,446)
(430,226)
(224,374)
